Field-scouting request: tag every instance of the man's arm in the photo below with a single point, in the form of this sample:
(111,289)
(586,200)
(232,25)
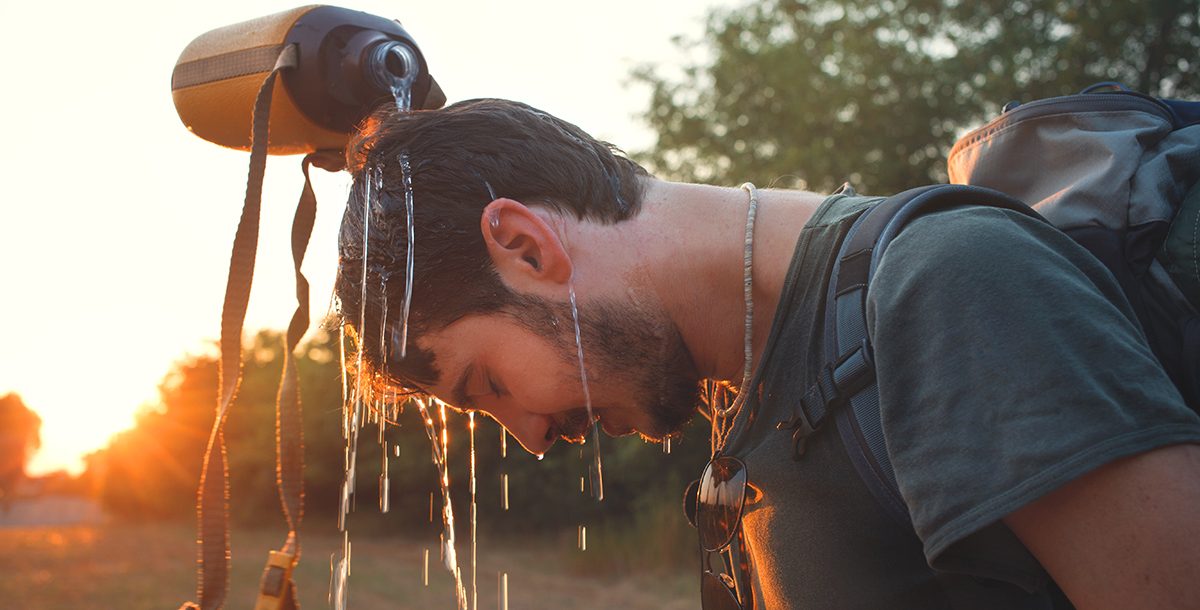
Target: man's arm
(1126,535)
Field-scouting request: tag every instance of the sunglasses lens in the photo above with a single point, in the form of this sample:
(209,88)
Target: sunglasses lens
(719,503)
(716,594)
(690,497)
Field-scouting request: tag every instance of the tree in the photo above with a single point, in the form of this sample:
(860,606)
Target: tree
(813,93)
(151,470)
(20,437)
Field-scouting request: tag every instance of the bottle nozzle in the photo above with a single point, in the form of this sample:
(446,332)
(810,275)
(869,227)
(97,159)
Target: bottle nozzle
(391,64)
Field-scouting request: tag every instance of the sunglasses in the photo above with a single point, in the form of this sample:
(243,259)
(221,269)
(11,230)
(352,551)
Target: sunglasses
(714,506)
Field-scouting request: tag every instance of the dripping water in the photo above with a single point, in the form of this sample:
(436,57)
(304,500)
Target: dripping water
(403,98)
(371,186)
(402,93)
(341,573)
(503,475)
(345,388)
(474,516)
(355,392)
(381,411)
(504,488)
(402,75)
(406,172)
(384,482)
(439,441)
(596,471)
(332,571)
(503,592)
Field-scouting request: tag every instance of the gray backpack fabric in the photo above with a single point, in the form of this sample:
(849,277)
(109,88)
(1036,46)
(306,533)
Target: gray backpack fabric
(1113,170)
(1181,251)
(1117,171)
(1118,162)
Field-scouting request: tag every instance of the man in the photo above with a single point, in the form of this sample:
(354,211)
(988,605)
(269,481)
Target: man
(1038,444)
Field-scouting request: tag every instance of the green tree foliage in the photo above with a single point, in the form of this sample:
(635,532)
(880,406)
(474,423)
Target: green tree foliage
(151,470)
(814,93)
(20,437)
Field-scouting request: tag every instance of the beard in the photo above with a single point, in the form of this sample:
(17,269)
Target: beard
(623,344)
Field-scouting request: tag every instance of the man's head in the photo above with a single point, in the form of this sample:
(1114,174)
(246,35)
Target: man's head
(493,185)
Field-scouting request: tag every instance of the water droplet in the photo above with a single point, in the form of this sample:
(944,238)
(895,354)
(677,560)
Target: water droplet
(339,592)
(474,517)
(504,486)
(503,591)
(384,494)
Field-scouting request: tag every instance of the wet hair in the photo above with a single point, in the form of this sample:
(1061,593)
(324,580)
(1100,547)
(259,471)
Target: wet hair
(457,160)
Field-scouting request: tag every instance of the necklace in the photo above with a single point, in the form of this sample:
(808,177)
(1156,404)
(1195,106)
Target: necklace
(722,428)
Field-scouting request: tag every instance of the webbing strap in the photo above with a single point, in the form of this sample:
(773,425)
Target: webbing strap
(255,60)
(289,428)
(213,500)
(289,431)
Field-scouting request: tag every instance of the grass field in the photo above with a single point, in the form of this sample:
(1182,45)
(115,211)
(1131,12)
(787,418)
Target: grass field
(135,566)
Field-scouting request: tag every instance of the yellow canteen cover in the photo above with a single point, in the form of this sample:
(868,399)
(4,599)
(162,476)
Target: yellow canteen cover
(314,106)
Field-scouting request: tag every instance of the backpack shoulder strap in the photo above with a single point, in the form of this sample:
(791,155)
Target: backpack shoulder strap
(848,378)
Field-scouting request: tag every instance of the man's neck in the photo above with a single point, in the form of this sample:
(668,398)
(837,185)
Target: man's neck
(690,244)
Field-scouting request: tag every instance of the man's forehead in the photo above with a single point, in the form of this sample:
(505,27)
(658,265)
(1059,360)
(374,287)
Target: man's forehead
(453,351)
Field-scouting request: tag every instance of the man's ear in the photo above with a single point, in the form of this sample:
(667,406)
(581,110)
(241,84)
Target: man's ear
(523,246)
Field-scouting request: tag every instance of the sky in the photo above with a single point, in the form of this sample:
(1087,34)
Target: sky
(116,222)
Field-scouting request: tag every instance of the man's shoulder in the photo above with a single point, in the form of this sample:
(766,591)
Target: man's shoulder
(978,231)
(982,249)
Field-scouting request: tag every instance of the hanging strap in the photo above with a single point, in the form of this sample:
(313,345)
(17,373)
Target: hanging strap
(213,495)
(277,590)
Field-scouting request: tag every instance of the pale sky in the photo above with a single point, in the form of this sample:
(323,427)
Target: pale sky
(116,222)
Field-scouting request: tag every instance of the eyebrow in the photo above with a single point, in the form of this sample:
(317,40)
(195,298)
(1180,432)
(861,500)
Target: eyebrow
(459,393)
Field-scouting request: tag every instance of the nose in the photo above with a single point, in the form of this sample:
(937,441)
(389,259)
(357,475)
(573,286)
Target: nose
(531,430)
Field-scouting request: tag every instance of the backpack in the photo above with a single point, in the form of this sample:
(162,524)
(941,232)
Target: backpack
(1117,171)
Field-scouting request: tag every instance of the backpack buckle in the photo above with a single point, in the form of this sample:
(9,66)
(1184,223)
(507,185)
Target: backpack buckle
(801,430)
(836,384)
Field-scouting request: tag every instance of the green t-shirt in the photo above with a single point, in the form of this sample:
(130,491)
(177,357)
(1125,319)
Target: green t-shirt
(1008,364)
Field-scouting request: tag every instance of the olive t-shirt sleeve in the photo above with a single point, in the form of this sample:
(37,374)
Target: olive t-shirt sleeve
(1008,364)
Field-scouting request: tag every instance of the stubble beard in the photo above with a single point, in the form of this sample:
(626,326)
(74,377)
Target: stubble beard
(627,345)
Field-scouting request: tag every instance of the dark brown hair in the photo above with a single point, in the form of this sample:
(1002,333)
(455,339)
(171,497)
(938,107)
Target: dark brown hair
(458,159)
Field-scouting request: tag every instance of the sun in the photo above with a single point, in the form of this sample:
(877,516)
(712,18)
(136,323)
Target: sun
(82,412)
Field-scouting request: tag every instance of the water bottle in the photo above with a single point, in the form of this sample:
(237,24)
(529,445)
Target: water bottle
(346,63)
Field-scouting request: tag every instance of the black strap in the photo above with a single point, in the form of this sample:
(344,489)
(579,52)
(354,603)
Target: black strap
(289,429)
(213,494)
